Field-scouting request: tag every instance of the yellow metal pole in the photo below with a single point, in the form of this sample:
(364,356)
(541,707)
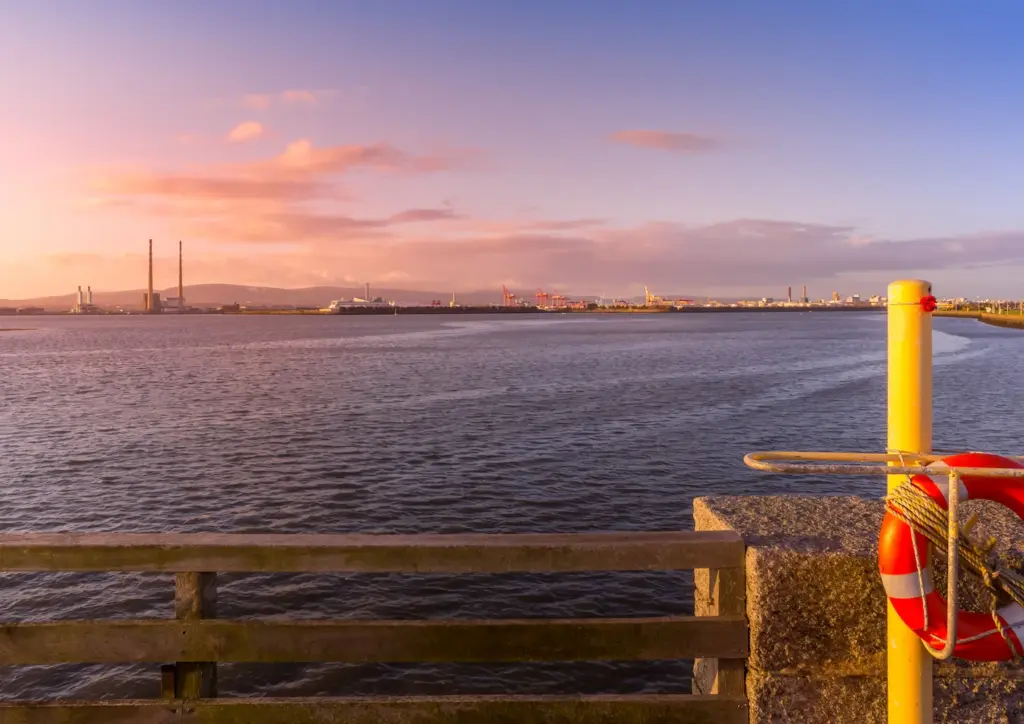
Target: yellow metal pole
(910,430)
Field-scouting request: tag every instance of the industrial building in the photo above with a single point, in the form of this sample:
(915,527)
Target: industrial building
(84,303)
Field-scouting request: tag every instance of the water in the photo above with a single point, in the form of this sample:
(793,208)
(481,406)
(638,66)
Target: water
(435,424)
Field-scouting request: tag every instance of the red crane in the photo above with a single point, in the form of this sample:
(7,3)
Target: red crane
(542,298)
(508,299)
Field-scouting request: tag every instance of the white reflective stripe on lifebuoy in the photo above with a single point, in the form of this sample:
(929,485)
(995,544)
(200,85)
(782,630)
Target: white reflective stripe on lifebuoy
(942,483)
(908,585)
(1013,614)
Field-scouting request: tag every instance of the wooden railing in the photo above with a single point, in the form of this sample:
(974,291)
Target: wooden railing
(196,639)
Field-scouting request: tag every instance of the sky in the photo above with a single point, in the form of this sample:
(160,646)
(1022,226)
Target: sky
(582,146)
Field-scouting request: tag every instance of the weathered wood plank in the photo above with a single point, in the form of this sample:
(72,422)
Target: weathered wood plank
(730,598)
(277,641)
(469,553)
(195,598)
(640,709)
(720,592)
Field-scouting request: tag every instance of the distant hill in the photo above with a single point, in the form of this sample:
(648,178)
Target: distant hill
(216,295)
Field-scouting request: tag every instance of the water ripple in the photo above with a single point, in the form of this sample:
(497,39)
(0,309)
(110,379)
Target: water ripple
(404,425)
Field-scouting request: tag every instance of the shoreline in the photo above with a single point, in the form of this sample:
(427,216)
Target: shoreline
(390,311)
(1007,321)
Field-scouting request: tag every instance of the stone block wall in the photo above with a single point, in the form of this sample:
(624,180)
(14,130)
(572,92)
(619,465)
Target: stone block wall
(817,613)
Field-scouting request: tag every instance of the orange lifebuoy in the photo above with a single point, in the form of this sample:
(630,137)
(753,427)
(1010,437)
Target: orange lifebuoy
(907,574)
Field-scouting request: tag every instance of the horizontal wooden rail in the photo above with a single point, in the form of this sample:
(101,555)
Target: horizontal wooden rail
(640,709)
(190,645)
(285,553)
(274,641)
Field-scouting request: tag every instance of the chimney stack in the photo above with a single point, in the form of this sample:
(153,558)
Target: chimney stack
(805,294)
(789,294)
(367,291)
(79,296)
(181,276)
(90,296)
(149,295)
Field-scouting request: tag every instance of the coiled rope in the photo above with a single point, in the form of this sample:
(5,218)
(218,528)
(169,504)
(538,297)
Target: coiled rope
(915,508)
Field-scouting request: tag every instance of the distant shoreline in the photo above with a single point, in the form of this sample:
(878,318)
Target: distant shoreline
(386,311)
(391,311)
(1009,321)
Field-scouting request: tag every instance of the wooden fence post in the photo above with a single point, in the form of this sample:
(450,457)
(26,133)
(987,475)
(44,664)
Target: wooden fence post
(720,592)
(195,597)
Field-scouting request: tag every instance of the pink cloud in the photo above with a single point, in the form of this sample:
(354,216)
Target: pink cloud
(667,141)
(412,216)
(565,224)
(294,97)
(742,253)
(302,156)
(307,97)
(182,186)
(276,200)
(246,131)
(670,258)
(257,101)
(301,173)
(297,227)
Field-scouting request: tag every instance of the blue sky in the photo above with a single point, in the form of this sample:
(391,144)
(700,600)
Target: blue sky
(871,135)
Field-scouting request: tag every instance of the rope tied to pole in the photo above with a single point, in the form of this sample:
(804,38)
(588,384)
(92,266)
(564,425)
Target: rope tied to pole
(927,303)
(926,517)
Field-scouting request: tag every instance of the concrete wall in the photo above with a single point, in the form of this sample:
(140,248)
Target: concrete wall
(817,613)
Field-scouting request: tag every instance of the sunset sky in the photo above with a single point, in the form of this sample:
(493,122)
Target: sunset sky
(582,146)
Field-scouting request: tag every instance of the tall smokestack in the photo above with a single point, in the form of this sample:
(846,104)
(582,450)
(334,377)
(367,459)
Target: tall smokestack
(789,294)
(367,291)
(90,296)
(79,296)
(181,276)
(804,297)
(149,296)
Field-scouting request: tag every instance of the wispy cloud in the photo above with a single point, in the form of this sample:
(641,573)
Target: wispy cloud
(667,141)
(301,172)
(270,200)
(295,97)
(671,258)
(284,200)
(302,227)
(246,131)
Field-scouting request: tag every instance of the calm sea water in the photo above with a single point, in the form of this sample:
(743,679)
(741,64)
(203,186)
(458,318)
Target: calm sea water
(435,424)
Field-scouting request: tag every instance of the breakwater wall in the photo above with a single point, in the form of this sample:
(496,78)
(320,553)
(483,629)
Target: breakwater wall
(1014,321)
(1003,320)
(817,612)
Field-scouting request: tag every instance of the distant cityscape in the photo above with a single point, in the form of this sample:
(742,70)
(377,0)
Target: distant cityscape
(152,302)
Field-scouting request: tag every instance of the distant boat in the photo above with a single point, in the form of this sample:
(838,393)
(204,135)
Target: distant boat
(339,305)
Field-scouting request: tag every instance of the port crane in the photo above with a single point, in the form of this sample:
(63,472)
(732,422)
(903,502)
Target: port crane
(508,299)
(542,298)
